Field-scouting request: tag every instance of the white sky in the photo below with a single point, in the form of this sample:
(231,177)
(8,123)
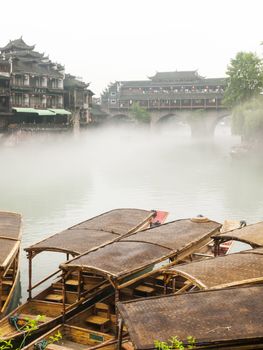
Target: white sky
(107,40)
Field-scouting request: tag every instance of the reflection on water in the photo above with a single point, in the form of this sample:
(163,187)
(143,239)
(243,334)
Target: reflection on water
(62,181)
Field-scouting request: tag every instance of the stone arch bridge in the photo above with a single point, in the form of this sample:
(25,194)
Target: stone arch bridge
(201,122)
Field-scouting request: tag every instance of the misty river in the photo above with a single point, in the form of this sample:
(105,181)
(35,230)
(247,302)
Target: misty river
(64,180)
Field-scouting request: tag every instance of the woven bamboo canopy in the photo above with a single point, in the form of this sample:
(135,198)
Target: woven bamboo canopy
(251,234)
(94,232)
(10,236)
(141,250)
(223,271)
(227,316)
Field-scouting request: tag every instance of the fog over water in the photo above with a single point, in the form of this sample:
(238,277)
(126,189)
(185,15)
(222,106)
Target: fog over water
(64,180)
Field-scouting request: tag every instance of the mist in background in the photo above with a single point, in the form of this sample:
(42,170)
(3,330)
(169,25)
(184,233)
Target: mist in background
(61,180)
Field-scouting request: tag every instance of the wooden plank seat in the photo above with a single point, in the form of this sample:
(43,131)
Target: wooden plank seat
(145,289)
(72,282)
(101,317)
(54,297)
(66,344)
(58,347)
(7,283)
(127,346)
(98,320)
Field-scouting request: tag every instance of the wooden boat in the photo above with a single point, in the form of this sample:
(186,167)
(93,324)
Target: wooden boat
(125,263)
(82,237)
(138,255)
(10,237)
(208,251)
(218,319)
(220,272)
(252,235)
(73,337)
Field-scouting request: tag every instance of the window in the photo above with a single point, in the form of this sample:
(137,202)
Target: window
(113,93)
(112,101)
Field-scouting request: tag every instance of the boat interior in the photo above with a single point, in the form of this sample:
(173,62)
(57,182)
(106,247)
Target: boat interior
(8,282)
(72,337)
(50,303)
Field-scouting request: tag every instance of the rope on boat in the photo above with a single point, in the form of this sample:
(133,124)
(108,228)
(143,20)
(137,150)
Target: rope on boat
(13,319)
(243,223)
(41,345)
(154,224)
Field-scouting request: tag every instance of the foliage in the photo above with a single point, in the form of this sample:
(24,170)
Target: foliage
(245,78)
(6,344)
(247,119)
(55,338)
(175,343)
(28,326)
(42,344)
(140,113)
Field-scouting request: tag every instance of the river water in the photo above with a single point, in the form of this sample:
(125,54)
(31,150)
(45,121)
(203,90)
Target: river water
(57,182)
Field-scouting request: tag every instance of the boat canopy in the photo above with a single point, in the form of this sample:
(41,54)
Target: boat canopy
(138,251)
(227,316)
(94,232)
(223,271)
(250,234)
(10,237)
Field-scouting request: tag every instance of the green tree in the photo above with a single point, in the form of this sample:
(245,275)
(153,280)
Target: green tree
(245,78)
(140,113)
(247,119)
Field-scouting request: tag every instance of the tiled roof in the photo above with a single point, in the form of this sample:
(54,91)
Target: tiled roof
(72,81)
(17,44)
(23,67)
(176,76)
(152,84)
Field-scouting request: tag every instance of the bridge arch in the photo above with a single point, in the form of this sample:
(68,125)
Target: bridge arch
(222,125)
(174,123)
(169,117)
(120,118)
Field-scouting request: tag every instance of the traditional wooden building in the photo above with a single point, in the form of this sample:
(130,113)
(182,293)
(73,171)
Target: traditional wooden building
(5,103)
(166,91)
(32,89)
(36,82)
(78,98)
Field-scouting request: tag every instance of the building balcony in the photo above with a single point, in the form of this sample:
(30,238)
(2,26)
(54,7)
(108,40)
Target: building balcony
(4,91)
(55,89)
(27,86)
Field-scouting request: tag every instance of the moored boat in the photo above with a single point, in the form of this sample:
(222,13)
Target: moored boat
(214,319)
(129,265)
(65,337)
(225,271)
(248,236)
(10,238)
(79,238)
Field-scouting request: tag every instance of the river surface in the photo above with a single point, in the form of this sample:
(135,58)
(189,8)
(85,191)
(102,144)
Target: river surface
(57,182)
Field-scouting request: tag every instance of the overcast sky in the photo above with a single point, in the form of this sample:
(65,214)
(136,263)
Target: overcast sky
(107,40)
